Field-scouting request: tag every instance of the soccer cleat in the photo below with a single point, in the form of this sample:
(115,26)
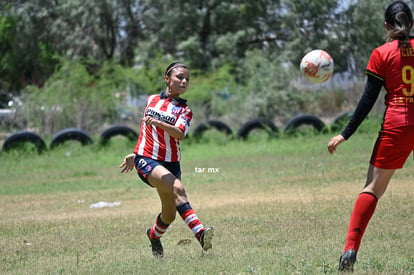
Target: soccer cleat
(156,246)
(206,237)
(347,260)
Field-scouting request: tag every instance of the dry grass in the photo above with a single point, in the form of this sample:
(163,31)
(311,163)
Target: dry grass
(278,207)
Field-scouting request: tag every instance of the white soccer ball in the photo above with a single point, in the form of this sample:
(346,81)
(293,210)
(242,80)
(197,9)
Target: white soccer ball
(317,66)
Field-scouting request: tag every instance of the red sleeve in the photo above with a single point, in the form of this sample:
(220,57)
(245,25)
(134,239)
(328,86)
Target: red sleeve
(376,65)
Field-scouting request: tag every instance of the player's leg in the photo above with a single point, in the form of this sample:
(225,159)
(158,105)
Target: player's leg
(170,187)
(202,234)
(377,182)
(390,152)
(163,181)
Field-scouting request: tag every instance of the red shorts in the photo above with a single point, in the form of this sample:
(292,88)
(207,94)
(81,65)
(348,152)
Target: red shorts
(393,147)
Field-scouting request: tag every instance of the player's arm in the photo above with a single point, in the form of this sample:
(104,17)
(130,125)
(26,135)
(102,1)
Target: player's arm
(365,104)
(172,130)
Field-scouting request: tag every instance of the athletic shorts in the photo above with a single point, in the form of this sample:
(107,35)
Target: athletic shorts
(393,147)
(145,165)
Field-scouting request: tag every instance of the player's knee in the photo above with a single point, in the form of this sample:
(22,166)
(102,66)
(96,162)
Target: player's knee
(178,188)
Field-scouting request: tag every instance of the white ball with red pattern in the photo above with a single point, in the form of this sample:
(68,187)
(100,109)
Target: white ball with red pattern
(317,66)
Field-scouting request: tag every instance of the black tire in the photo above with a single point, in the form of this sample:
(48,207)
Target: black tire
(257,123)
(19,137)
(116,130)
(293,124)
(218,125)
(340,121)
(70,134)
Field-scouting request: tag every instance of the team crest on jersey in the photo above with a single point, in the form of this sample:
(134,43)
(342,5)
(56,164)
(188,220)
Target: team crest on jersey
(177,110)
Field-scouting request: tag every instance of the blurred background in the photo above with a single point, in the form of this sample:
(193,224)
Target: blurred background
(91,64)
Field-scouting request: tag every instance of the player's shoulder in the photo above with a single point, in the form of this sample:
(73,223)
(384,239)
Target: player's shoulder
(388,45)
(386,50)
(153,99)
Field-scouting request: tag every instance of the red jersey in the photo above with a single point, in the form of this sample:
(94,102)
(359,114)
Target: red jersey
(155,143)
(395,67)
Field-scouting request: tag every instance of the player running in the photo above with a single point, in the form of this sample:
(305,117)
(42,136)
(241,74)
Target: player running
(157,157)
(391,66)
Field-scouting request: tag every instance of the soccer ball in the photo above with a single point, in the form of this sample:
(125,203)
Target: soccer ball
(317,66)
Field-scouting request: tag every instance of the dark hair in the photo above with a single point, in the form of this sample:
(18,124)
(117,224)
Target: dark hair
(172,66)
(399,18)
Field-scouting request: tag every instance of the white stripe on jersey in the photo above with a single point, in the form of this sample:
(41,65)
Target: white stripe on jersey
(143,132)
(178,151)
(156,146)
(167,141)
(144,138)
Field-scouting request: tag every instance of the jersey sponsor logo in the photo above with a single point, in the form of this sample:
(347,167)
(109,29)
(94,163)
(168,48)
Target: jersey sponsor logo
(160,116)
(407,51)
(401,100)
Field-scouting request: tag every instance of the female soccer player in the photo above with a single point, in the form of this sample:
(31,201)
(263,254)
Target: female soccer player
(391,65)
(157,157)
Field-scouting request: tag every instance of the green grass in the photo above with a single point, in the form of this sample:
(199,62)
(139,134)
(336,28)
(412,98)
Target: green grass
(279,206)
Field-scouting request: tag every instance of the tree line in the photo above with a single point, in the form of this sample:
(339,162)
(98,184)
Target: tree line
(248,48)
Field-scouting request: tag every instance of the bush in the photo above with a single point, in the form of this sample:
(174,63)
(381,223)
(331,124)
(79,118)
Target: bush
(76,97)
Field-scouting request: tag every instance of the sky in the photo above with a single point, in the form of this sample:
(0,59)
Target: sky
(344,4)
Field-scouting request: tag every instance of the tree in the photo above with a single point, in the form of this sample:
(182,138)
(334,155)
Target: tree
(207,33)
(34,33)
(217,39)
(24,57)
(364,29)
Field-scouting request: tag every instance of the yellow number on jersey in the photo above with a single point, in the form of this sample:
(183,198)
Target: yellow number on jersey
(408,78)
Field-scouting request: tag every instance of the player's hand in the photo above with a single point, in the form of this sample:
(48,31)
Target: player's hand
(128,163)
(334,142)
(149,120)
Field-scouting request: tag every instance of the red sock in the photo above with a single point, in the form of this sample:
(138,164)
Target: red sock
(363,211)
(190,217)
(158,229)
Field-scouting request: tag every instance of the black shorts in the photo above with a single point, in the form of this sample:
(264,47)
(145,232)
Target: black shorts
(145,165)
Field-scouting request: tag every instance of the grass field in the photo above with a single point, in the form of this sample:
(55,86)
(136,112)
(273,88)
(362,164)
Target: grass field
(278,206)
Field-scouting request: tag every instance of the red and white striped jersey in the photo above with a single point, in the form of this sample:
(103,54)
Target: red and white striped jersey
(155,143)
